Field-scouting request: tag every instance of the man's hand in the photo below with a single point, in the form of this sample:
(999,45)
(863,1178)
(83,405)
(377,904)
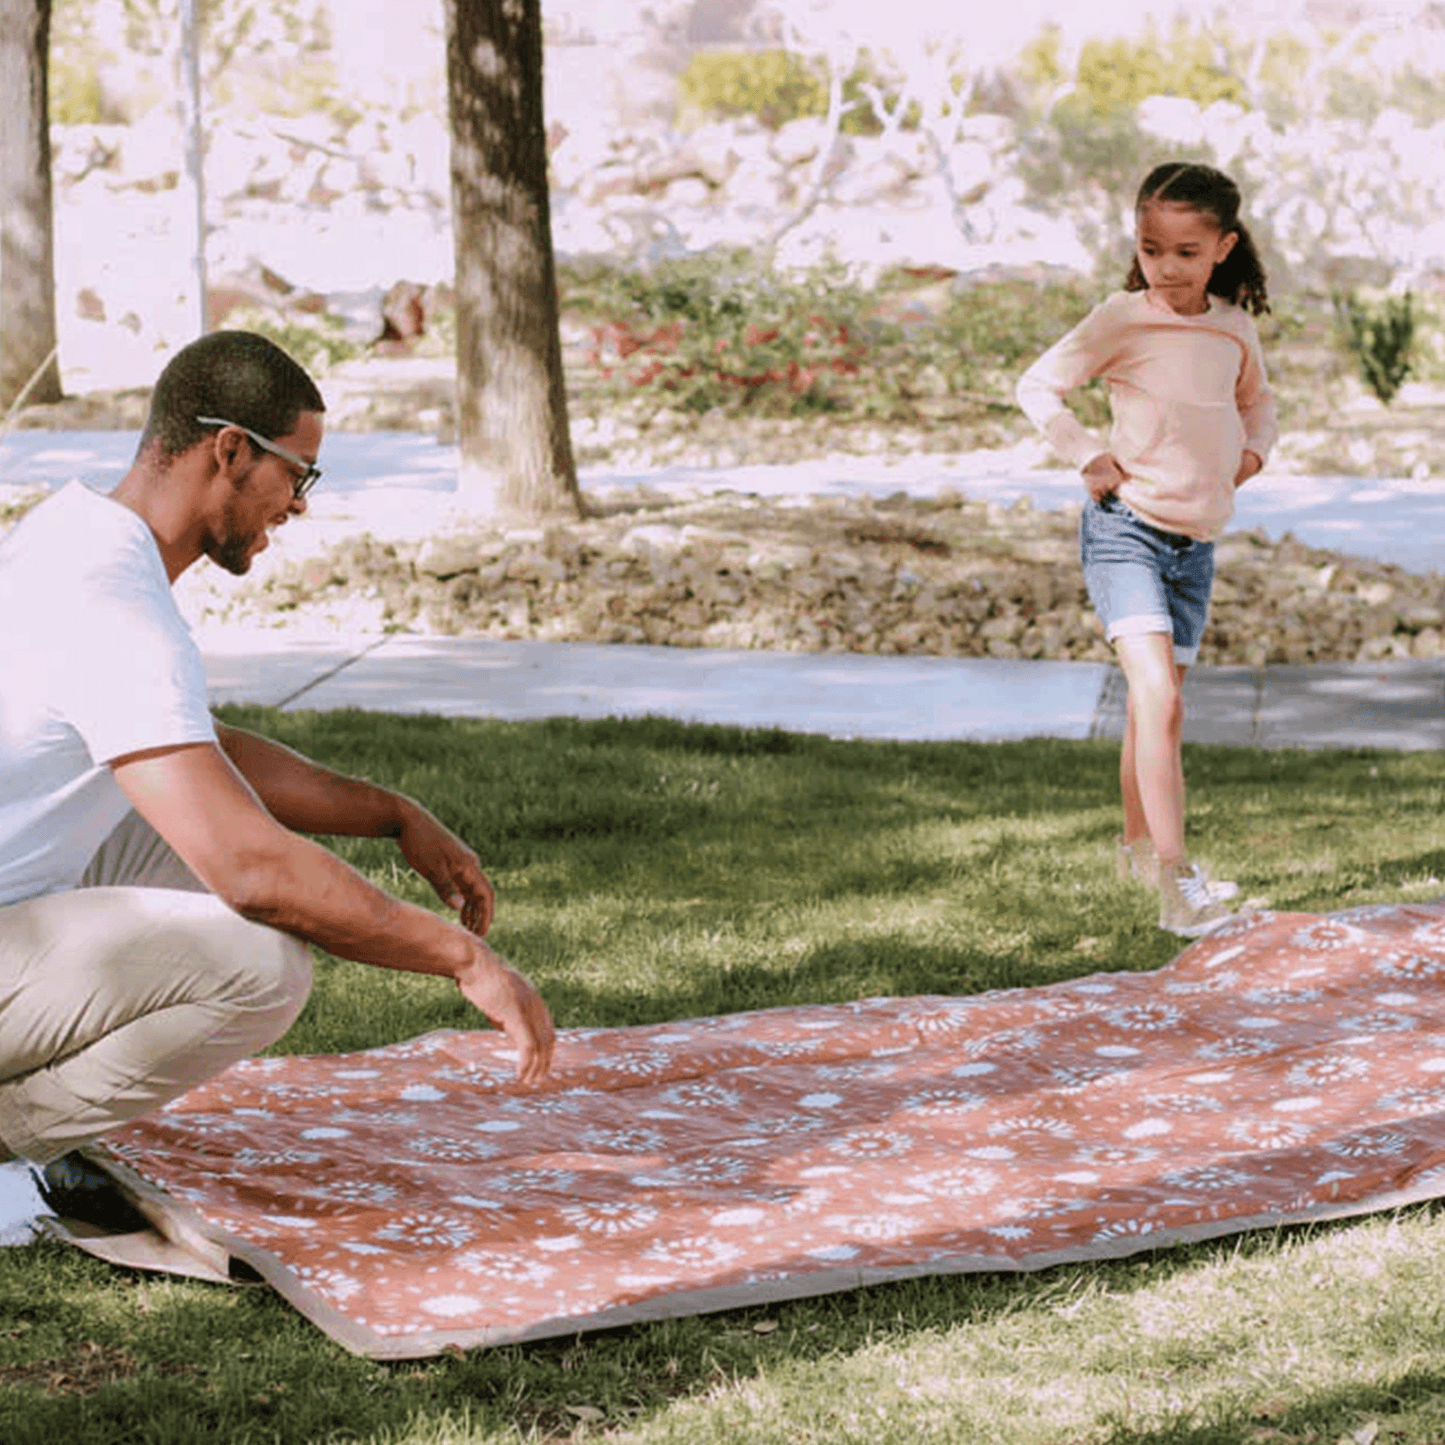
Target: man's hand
(491,984)
(1102,476)
(449,866)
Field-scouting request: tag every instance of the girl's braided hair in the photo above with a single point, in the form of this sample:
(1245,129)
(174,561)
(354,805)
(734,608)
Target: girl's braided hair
(1240,276)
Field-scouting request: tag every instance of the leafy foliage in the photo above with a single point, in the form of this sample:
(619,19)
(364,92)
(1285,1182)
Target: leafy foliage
(1115,74)
(1382,337)
(318,342)
(708,337)
(776,86)
(718,331)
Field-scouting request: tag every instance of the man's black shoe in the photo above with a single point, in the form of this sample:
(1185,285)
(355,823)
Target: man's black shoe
(74,1188)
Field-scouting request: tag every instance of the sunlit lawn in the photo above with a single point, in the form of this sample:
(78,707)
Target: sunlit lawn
(649,871)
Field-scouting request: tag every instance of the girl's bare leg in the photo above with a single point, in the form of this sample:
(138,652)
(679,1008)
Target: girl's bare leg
(1135,824)
(1151,772)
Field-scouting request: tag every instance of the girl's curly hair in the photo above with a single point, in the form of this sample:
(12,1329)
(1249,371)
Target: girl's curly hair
(1240,276)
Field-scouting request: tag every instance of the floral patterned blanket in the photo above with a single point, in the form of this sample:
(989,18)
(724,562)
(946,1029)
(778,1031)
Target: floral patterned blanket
(409,1198)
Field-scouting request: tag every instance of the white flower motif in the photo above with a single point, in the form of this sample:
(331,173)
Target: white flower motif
(1242,923)
(637,1066)
(427,1231)
(1413,1101)
(696,1252)
(360,1191)
(955,1183)
(1184,1103)
(872,1226)
(1368,1144)
(938,1022)
(1144,1017)
(871,1144)
(624,1141)
(332,1284)
(609,1216)
(1412,967)
(696,1094)
(1381,1021)
(392,1118)
(1429,935)
(711,1169)
(451,1150)
(1208,1176)
(533,1181)
(1269,1133)
(1326,933)
(861,1072)
(1236,1046)
(1115,1156)
(275,1158)
(768,1126)
(513,1266)
(1031,1124)
(941,1099)
(1328,1069)
(1036,1206)
(1081,1075)
(547,1104)
(807,1201)
(1283,997)
(1127,1228)
(215,1124)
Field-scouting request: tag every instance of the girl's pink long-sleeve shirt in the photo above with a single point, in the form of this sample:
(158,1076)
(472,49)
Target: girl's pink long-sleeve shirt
(1188,394)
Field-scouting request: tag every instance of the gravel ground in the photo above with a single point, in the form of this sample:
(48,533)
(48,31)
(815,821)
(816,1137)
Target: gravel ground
(946,576)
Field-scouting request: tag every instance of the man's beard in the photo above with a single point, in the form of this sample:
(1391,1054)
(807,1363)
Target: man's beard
(232,550)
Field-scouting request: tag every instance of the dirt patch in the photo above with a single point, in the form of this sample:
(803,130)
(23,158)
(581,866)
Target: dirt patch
(89,1369)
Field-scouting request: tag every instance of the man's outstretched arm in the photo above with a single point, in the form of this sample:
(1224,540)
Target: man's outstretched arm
(308,798)
(195,798)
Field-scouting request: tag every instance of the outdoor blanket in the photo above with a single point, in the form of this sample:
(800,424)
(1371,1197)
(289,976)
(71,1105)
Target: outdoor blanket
(1289,1067)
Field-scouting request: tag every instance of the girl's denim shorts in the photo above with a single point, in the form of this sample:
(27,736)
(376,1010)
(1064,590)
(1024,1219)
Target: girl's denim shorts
(1141,579)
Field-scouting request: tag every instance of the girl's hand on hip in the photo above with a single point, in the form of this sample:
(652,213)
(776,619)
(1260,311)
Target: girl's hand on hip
(1102,475)
(1249,464)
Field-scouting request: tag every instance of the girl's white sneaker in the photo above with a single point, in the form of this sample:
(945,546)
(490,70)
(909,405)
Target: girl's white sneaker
(1185,905)
(1139,860)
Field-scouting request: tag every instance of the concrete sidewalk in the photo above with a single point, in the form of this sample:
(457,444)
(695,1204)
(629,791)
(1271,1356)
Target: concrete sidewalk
(1398,705)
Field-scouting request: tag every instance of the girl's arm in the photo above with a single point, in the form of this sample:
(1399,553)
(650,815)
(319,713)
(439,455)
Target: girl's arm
(1255,400)
(1078,357)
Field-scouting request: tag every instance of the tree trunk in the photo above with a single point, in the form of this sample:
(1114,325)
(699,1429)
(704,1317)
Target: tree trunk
(516,452)
(27,266)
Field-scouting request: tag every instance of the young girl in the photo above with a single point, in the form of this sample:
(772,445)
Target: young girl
(1193,419)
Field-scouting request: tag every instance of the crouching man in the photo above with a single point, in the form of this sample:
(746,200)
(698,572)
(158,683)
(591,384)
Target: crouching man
(156,894)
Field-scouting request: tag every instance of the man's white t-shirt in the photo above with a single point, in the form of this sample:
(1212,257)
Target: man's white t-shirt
(96,662)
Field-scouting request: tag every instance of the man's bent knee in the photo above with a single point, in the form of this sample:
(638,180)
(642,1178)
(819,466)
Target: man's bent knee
(273,984)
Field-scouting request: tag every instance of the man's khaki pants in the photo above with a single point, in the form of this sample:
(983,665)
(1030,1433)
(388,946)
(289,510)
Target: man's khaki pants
(120,995)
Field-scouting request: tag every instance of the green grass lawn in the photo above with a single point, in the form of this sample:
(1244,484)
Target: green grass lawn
(650,871)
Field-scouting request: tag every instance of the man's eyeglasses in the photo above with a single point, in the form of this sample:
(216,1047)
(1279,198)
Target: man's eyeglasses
(310,474)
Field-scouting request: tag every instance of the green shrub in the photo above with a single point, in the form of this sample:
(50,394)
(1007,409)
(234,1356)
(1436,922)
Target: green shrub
(776,86)
(718,332)
(1114,75)
(700,333)
(1381,335)
(318,342)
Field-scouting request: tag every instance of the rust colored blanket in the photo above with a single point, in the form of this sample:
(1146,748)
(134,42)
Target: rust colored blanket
(1290,1067)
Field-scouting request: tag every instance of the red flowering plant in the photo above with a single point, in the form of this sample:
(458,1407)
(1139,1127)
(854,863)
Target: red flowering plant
(694,336)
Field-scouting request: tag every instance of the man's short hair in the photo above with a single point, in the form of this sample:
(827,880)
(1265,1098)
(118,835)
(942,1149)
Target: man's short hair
(237,375)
